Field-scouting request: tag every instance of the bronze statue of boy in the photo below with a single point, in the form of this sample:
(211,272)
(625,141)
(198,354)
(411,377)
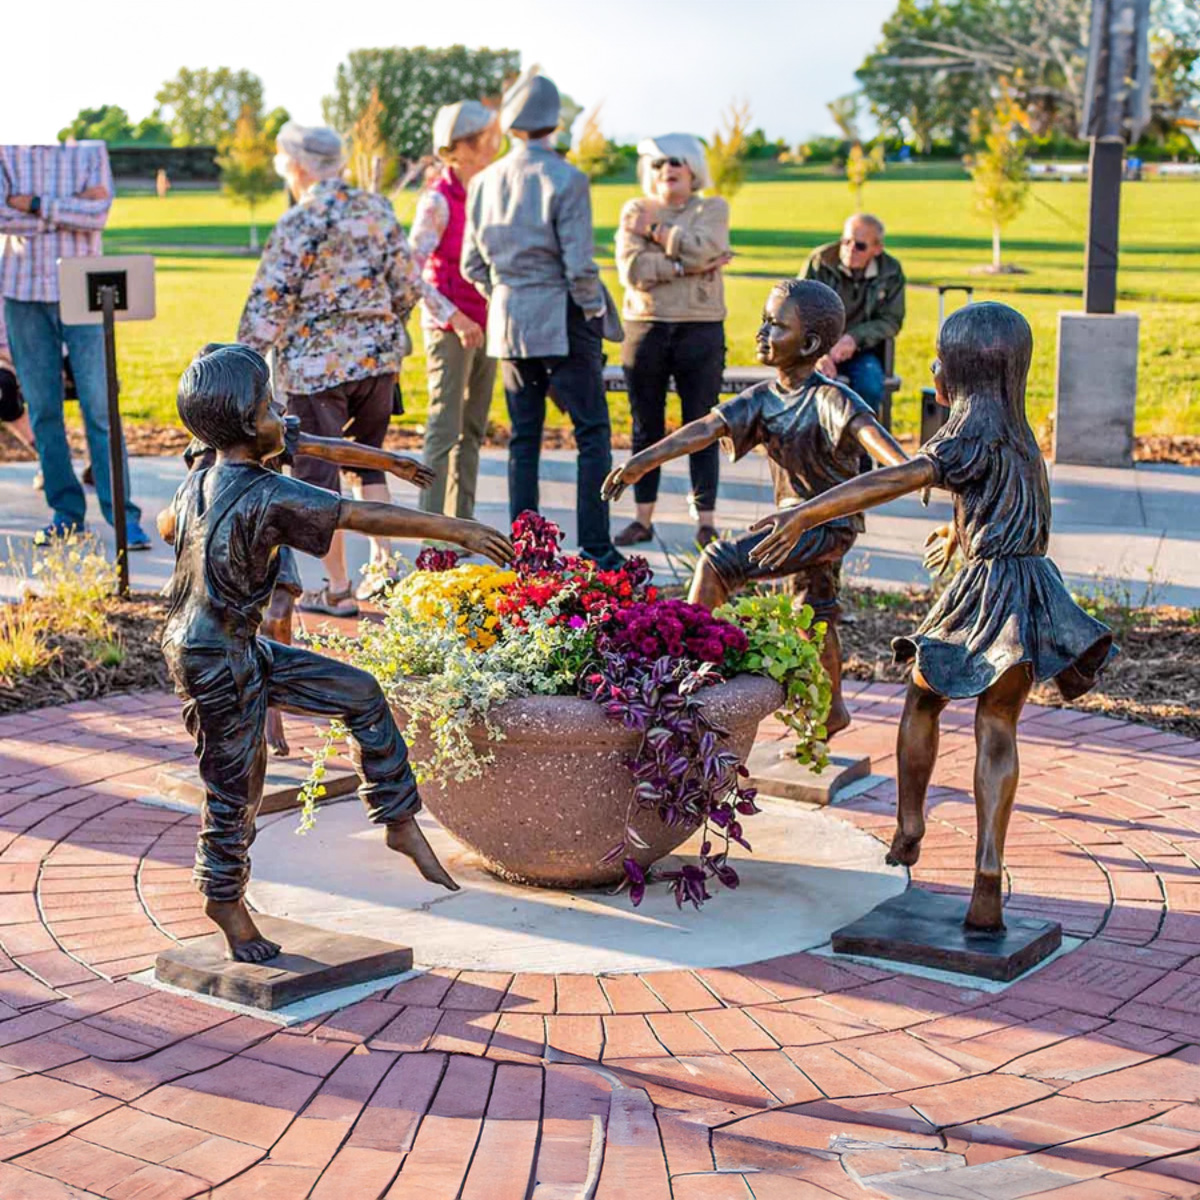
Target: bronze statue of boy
(230,521)
(814,430)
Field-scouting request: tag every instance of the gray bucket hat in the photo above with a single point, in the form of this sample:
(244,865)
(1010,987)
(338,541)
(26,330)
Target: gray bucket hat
(530,104)
(453,122)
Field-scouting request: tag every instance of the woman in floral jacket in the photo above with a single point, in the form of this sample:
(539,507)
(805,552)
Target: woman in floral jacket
(334,288)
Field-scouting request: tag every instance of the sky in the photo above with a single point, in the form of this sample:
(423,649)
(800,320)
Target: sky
(658,66)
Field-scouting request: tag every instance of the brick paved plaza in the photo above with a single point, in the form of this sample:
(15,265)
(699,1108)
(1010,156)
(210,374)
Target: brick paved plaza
(796,1078)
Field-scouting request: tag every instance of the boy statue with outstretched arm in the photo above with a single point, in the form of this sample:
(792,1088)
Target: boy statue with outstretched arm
(230,522)
(280,610)
(813,430)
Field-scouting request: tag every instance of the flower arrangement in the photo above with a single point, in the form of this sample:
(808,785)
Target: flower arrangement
(458,639)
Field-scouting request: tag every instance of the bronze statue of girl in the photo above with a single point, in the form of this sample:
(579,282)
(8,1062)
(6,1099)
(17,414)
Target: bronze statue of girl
(1006,619)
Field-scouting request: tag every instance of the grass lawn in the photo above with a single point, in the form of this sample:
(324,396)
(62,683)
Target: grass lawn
(780,214)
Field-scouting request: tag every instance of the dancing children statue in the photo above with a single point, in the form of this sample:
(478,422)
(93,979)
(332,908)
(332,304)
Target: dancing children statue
(281,608)
(230,522)
(814,430)
(1006,619)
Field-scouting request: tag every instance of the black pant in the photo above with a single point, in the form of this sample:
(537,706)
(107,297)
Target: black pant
(576,383)
(693,352)
(226,695)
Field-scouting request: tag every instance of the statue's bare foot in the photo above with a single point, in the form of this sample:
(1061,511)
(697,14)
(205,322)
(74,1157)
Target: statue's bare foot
(276,738)
(838,719)
(406,838)
(243,941)
(905,848)
(986,914)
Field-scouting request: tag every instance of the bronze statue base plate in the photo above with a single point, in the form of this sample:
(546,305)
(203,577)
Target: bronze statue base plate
(281,788)
(775,772)
(926,929)
(312,961)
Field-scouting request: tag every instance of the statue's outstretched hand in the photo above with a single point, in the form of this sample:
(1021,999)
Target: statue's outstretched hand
(412,470)
(783,530)
(619,478)
(483,539)
(940,547)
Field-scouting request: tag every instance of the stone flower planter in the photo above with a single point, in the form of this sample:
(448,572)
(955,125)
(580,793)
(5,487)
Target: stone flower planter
(554,801)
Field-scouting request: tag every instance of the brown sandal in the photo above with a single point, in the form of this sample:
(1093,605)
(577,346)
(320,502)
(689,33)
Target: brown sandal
(634,534)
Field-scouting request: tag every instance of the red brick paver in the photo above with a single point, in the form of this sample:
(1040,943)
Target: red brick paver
(798,1078)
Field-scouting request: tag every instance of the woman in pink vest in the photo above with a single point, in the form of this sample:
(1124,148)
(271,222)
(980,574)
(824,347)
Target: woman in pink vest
(460,374)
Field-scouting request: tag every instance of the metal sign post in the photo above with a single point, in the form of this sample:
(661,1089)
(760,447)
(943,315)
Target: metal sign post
(116,437)
(102,291)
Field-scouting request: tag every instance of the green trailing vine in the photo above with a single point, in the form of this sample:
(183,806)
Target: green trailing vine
(784,645)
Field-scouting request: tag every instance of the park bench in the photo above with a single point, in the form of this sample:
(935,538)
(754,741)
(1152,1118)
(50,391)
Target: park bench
(736,379)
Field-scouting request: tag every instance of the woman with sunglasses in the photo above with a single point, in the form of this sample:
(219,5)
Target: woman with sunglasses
(671,246)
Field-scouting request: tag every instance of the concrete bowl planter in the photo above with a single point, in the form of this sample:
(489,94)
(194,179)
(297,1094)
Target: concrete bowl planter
(554,801)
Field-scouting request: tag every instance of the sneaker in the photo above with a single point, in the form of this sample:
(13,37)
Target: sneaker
(136,538)
(332,604)
(56,531)
(87,478)
(634,534)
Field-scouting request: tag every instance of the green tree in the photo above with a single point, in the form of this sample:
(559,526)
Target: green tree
(203,107)
(150,131)
(726,152)
(861,164)
(1000,168)
(247,170)
(593,154)
(412,83)
(274,121)
(108,123)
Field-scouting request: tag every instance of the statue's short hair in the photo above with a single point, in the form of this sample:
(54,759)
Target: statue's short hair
(220,392)
(820,307)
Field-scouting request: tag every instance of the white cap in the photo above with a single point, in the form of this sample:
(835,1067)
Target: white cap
(453,122)
(316,148)
(686,147)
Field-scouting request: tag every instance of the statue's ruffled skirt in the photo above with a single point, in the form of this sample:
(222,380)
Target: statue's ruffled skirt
(997,613)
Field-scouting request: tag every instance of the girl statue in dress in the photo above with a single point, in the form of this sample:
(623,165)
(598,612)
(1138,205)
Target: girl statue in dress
(1006,619)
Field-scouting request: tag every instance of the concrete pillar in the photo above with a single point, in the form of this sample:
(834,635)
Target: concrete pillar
(1096,389)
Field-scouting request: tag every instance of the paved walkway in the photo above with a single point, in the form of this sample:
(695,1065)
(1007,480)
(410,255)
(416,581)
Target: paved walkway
(797,1078)
(1138,527)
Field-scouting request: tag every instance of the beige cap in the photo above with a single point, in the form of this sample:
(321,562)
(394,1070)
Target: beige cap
(453,122)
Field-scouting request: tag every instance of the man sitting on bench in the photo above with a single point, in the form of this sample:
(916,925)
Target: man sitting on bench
(871,285)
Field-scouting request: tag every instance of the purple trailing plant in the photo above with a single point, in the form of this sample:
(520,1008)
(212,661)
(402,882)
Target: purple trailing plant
(682,770)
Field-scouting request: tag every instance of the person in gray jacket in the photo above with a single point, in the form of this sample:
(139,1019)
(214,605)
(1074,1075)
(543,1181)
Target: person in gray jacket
(528,248)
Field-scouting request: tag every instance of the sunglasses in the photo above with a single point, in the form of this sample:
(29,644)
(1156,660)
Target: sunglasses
(658,163)
(859,246)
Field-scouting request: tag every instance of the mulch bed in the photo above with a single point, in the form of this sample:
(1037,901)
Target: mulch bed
(158,440)
(78,672)
(1153,681)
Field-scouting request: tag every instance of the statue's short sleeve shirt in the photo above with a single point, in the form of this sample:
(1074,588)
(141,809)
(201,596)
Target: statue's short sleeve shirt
(231,523)
(803,433)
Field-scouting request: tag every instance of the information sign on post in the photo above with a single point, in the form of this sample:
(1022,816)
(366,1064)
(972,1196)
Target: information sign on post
(102,291)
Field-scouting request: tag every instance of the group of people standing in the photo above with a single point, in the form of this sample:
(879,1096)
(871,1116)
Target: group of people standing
(500,258)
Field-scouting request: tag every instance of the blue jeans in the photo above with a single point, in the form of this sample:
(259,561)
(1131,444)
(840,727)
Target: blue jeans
(576,384)
(864,373)
(36,338)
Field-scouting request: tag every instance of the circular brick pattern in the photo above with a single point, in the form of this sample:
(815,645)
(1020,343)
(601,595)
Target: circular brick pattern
(790,1079)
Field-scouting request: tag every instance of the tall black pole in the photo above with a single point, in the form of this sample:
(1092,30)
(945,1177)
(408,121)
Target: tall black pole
(116,439)
(1105,165)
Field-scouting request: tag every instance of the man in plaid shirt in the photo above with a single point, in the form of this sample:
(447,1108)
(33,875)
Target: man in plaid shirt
(54,202)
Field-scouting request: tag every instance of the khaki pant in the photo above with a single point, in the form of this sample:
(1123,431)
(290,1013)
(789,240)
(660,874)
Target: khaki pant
(460,394)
